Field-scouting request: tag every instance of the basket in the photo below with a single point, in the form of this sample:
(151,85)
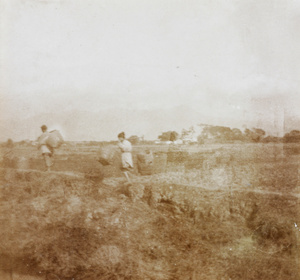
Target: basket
(54,140)
(145,163)
(107,154)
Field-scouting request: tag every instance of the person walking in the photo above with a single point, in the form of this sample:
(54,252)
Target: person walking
(46,150)
(126,148)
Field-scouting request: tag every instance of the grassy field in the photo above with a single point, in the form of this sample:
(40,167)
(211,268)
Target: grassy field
(206,212)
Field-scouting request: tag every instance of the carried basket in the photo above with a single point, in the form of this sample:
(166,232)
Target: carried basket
(54,139)
(107,154)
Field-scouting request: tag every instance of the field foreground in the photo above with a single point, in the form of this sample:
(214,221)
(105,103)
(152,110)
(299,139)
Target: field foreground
(230,221)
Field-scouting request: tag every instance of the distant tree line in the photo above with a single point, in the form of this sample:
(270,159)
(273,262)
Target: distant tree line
(210,133)
(226,134)
(292,137)
(223,134)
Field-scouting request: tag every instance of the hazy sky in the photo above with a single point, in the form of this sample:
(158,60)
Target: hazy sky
(111,65)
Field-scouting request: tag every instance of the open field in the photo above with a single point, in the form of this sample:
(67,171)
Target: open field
(206,212)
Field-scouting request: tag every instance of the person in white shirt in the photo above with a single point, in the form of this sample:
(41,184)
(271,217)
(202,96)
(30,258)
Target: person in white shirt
(126,148)
(46,150)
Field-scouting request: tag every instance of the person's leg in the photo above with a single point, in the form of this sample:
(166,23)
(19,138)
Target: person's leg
(48,160)
(127,162)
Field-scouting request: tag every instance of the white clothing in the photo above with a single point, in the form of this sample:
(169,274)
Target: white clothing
(45,150)
(126,149)
(42,143)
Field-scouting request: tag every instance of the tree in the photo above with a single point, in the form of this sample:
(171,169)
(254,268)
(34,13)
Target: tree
(173,136)
(259,132)
(168,136)
(254,135)
(237,134)
(134,139)
(219,133)
(292,137)
(184,133)
(188,133)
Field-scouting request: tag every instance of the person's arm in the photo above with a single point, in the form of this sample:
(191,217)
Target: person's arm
(42,139)
(121,146)
(127,147)
(39,141)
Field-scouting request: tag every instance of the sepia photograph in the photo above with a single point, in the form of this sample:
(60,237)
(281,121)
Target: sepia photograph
(149,140)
